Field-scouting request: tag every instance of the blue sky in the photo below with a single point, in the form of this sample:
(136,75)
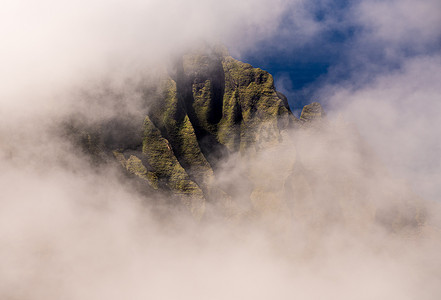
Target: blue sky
(297,66)
(348,44)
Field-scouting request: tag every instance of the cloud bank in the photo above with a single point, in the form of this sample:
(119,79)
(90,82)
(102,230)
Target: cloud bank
(73,231)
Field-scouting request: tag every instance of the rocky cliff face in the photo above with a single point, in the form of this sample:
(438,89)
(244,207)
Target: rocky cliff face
(210,107)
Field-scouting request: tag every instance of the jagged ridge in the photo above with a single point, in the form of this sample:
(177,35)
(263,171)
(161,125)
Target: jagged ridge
(209,106)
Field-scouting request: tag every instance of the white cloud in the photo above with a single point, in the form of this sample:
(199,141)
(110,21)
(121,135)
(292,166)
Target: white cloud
(405,23)
(50,46)
(398,114)
(69,231)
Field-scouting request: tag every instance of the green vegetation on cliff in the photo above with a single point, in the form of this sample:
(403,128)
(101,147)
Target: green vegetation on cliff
(160,156)
(207,108)
(211,107)
(253,109)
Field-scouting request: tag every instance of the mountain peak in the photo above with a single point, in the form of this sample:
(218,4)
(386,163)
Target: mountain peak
(208,107)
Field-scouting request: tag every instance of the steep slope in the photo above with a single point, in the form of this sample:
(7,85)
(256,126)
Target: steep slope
(208,107)
(216,131)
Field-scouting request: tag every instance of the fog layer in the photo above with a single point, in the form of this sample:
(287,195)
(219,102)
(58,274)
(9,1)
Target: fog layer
(70,230)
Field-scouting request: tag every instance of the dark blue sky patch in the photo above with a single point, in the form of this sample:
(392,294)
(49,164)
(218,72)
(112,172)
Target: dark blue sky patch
(304,60)
(341,50)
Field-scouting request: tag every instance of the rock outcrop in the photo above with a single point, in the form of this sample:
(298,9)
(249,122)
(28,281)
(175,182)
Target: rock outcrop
(312,112)
(207,108)
(210,110)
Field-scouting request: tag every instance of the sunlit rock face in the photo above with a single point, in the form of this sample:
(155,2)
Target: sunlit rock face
(206,108)
(215,134)
(311,112)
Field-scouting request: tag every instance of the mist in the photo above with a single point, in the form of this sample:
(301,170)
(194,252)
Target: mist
(368,228)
